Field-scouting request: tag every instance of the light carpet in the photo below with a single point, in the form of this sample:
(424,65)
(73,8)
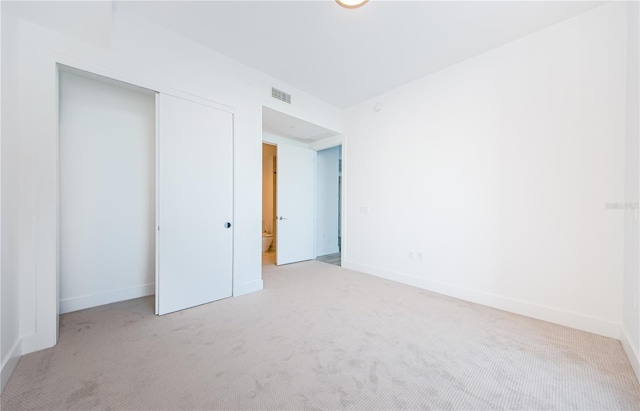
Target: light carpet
(321,337)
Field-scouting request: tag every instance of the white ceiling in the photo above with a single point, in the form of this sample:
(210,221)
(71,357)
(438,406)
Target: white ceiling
(89,19)
(340,56)
(281,124)
(346,56)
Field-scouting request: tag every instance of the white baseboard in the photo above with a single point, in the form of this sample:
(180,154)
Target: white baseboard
(87,301)
(247,288)
(570,319)
(327,251)
(634,358)
(9,364)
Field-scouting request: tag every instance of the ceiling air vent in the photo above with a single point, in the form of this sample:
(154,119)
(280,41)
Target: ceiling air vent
(280,95)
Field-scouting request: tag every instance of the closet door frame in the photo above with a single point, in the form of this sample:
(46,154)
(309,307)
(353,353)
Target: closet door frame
(66,63)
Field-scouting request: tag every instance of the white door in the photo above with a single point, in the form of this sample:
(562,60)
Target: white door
(195,200)
(295,204)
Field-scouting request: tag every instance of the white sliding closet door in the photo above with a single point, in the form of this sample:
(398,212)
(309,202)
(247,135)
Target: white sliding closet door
(195,200)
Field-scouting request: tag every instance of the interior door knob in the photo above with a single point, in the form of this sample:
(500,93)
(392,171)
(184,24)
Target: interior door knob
(282,218)
(227,225)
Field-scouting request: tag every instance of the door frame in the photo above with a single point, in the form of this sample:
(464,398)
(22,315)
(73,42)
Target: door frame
(340,192)
(330,142)
(274,226)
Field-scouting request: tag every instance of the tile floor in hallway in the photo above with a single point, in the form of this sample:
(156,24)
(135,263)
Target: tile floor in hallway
(269,258)
(334,259)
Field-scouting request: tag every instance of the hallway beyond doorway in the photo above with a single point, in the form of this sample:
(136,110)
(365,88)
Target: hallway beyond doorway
(334,259)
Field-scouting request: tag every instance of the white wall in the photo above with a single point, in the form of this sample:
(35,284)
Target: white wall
(495,172)
(631,314)
(107,192)
(10,347)
(2,354)
(327,201)
(139,52)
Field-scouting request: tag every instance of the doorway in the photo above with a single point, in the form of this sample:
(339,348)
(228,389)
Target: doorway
(269,201)
(298,145)
(328,206)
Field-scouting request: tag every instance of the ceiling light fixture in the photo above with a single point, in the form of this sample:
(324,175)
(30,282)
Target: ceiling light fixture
(351,4)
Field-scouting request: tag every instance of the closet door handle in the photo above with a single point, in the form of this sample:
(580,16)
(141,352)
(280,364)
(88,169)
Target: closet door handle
(227,225)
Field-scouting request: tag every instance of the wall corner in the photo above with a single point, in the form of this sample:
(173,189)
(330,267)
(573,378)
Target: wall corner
(630,351)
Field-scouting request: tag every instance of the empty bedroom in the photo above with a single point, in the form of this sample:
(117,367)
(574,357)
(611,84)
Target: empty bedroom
(330,204)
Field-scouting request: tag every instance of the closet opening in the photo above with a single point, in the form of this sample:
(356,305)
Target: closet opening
(107,191)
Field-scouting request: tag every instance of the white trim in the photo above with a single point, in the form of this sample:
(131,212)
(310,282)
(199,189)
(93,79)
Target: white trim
(632,354)
(73,63)
(4,376)
(87,301)
(274,140)
(34,342)
(343,203)
(156,231)
(249,287)
(233,204)
(570,319)
(328,142)
(315,205)
(9,364)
